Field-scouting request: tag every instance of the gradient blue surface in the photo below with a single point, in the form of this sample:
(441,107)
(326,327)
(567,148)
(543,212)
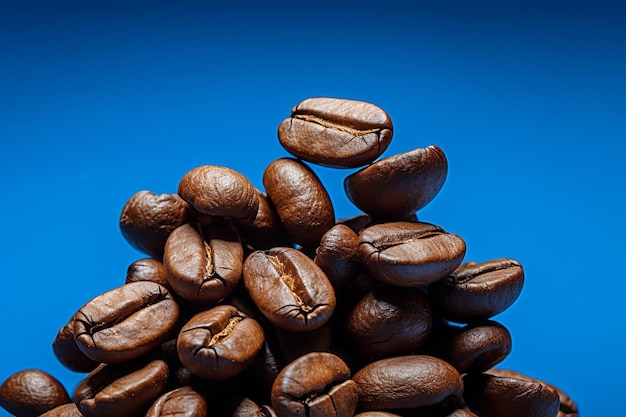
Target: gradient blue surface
(99,100)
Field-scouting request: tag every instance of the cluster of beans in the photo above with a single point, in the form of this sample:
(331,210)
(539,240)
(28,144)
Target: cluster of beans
(262,303)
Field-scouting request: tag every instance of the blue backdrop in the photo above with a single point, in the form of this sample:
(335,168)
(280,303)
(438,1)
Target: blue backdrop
(99,100)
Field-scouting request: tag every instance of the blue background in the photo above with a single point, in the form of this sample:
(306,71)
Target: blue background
(99,100)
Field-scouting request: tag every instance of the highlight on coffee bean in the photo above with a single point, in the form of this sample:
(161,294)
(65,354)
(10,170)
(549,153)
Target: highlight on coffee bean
(250,302)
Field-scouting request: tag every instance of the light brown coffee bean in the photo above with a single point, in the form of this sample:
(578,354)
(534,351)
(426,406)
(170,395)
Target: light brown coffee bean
(336,132)
(32,392)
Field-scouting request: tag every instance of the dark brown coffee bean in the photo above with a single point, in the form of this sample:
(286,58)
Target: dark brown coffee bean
(147,269)
(203,266)
(315,385)
(147,220)
(220,191)
(184,401)
(400,185)
(219,343)
(338,255)
(67,352)
(478,346)
(410,254)
(389,321)
(567,407)
(121,390)
(65,410)
(336,132)
(289,289)
(478,290)
(126,322)
(500,396)
(407,382)
(302,203)
(266,231)
(32,392)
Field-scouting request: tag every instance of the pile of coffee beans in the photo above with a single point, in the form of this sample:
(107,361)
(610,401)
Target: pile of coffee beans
(262,303)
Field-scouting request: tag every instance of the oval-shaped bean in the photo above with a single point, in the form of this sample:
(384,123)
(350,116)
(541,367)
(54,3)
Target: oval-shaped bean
(147,269)
(409,254)
(220,191)
(289,288)
(147,220)
(32,392)
(400,185)
(477,291)
(126,322)
(336,132)
(121,390)
(389,321)
(407,382)
(338,255)
(203,266)
(478,346)
(184,401)
(302,203)
(317,384)
(219,343)
(500,396)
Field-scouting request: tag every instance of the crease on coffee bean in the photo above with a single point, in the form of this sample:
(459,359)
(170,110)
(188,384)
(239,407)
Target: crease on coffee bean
(92,328)
(354,132)
(465,275)
(387,242)
(306,398)
(290,281)
(299,311)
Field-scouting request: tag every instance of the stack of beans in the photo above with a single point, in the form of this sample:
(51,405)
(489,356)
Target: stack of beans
(262,303)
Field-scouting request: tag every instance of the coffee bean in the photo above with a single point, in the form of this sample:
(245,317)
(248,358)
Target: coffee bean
(389,321)
(121,390)
(126,322)
(302,203)
(289,289)
(184,401)
(500,396)
(147,269)
(147,220)
(266,231)
(220,191)
(219,343)
(317,384)
(67,352)
(478,346)
(338,255)
(400,185)
(336,132)
(409,254)
(203,265)
(32,392)
(478,290)
(407,382)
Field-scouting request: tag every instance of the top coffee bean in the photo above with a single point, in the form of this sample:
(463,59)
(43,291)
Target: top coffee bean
(336,132)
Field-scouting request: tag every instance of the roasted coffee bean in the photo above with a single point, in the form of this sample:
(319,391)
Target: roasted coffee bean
(500,396)
(147,269)
(121,390)
(478,290)
(244,407)
(338,255)
(65,410)
(389,321)
(184,401)
(315,385)
(32,392)
(400,185)
(147,220)
(220,191)
(126,322)
(409,254)
(336,132)
(289,289)
(266,231)
(203,266)
(407,382)
(219,343)
(302,203)
(567,407)
(67,352)
(478,346)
